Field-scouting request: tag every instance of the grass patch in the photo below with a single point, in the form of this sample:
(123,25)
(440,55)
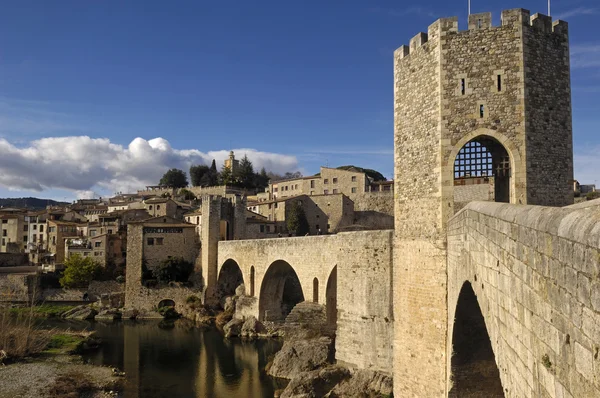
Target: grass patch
(44,310)
(63,343)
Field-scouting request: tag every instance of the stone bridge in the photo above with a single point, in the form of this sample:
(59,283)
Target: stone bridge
(522,316)
(349,272)
(529,277)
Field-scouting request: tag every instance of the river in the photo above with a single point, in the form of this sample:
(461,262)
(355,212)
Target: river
(183,361)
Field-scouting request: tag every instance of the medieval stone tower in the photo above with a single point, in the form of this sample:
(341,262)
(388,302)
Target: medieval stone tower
(489,103)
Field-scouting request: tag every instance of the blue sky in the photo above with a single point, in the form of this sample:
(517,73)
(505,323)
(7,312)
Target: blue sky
(103,96)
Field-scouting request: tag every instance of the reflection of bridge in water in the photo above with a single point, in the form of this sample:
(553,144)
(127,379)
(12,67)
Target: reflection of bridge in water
(187,362)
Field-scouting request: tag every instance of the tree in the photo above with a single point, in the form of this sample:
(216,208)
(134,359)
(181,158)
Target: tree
(187,194)
(174,178)
(175,269)
(226,177)
(246,174)
(79,271)
(196,174)
(211,178)
(296,220)
(262,179)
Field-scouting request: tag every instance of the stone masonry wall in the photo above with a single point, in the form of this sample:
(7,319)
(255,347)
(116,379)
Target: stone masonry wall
(548,112)
(364,285)
(13,259)
(419,245)
(374,210)
(535,271)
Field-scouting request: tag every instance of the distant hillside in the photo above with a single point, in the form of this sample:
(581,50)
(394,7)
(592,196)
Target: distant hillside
(30,203)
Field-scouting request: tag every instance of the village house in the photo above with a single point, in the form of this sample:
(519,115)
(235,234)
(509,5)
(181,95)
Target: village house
(351,183)
(14,230)
(58,232)
(324,213)
(161,238)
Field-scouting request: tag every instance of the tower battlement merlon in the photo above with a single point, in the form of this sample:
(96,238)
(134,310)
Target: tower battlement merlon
(515,17)
(434,32)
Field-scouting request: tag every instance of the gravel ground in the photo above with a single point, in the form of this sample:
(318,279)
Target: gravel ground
(31,379)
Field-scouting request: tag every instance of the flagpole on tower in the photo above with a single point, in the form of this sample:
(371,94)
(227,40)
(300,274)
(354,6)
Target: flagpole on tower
(549,8)
(470,6)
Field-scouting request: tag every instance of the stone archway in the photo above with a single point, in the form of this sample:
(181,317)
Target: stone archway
(166,303)
(280,291)
(331,298)
(230,277)
(474,372)
(482,171)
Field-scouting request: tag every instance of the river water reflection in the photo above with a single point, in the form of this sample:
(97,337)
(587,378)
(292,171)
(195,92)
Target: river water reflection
(183,361)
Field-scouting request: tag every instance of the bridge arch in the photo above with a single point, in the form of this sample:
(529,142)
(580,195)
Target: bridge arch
(166,303)
(474,371)
(280,291)
(469,158)
(331,298)
(230,277)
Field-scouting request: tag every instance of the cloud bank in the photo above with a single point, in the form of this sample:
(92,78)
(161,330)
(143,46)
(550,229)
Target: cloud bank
(87,165)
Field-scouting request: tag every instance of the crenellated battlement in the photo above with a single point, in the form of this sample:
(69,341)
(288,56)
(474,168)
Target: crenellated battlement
(518,17)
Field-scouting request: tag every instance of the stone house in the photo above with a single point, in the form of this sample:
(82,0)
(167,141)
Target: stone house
(94,248)
(165,207)
(351,183)
(327,213)
(58,232)
(37,231)
(14,231)
(160,238)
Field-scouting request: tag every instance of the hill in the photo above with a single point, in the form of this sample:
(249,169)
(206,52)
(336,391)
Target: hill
(30,203)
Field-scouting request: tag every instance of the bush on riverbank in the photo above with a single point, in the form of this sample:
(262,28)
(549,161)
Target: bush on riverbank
(19,337)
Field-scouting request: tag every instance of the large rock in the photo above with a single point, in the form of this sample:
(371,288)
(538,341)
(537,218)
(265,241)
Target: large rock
(72,311)
(233,328)
(364,383)
(240,290)
(108,315)
(229,304)
(297,356)
(83,314)
(315,384)
(130,313)
(252,328)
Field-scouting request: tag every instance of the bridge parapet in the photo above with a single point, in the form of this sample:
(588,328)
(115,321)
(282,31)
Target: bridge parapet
(536,274)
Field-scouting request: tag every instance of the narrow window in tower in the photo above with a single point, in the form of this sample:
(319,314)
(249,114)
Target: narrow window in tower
(479,24)
(463,87)
(499,83)
(481,111)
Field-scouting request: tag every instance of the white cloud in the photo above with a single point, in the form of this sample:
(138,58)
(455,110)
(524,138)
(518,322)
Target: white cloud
(88,166)
(587,165)
(577,12)
(585,56)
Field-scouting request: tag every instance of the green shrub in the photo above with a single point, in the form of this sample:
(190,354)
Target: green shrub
(79,271)
(168,312)
(593,195)
(175,269)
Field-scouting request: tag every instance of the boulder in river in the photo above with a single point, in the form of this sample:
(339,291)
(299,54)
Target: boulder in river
(233,328)
(298,356)
(315,384)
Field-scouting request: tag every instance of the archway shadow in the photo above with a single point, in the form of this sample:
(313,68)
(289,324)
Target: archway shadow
(473,365)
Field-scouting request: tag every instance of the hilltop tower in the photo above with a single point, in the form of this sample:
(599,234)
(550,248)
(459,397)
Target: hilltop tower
(489,104)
